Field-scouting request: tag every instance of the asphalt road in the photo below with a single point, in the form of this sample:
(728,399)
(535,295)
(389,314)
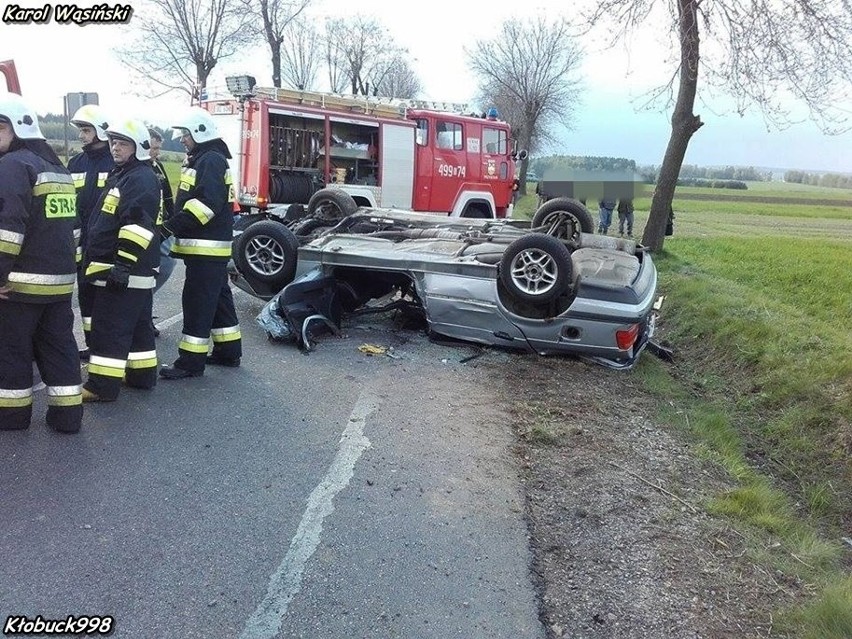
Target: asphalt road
(329,495)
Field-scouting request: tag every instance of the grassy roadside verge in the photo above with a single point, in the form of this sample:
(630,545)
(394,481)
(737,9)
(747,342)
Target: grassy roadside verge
(759,309)
(763,385)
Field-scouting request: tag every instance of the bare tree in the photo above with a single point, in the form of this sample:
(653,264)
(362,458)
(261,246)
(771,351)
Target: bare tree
(528,70)
(181,41)
(300,57)
(361,52)
(274,20)
(761,52)
(398,80)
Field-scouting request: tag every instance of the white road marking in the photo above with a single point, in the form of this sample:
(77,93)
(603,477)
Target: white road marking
(285,583)
(174,319)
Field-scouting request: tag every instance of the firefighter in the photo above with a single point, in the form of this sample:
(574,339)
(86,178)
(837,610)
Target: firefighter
(37,272)
(121,257)
(90,169)
(202,226)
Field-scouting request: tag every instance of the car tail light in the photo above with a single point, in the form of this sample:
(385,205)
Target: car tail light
(627,338)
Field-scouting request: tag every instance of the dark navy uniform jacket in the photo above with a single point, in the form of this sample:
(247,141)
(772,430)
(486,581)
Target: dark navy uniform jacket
(122,227)
(38,215)
(90,170)
(203,221)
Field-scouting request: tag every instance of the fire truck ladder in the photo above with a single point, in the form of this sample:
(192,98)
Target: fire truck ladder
(369,105)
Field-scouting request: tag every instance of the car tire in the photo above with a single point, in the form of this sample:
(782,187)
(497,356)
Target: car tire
(331,204)
(536,268)
(266,252)
(561,213)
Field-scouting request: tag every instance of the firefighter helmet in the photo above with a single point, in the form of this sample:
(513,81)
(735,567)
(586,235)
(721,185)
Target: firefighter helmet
(92,115)
(24,121)
(198,122)
(136,132)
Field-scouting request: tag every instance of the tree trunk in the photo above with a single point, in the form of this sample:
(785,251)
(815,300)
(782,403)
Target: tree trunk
(275,47)
(684,125)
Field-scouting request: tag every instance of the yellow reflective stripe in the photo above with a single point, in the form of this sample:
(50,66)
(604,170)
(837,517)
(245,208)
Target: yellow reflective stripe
(72,400)
(186,250)
(41,289)
(52,182)
(136,234)
(52,187)
(111,201)
(15,402)
(64,395)
(106,366)
(200,210)
(213,248)
(15,397)
(187,179)
(79,180)
(87,323)
(194,344)
(229,334)
(127,256)
(78,257)
(97,267)
(142,359)
(102,178)
(41,283)
(228,178)
(9,248)
(11,237)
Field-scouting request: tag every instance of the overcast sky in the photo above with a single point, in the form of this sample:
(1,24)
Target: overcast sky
(55,59)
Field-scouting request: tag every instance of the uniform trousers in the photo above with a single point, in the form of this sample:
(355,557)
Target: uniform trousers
(121,341)
(43,333)
(208,315)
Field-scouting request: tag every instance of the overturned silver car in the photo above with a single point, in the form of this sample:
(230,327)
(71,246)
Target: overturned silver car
(549,287)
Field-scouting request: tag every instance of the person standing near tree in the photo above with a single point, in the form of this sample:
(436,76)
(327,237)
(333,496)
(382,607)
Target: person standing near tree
(202,226)
(625,216)
(605,207)
(120,258)
(89,169)
(38,216)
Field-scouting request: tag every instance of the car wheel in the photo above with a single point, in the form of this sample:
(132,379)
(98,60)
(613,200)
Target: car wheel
(266,252)
(564,217)
(331,204)
(536,268)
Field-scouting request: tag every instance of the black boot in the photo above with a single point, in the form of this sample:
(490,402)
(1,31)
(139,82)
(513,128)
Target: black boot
(173,372)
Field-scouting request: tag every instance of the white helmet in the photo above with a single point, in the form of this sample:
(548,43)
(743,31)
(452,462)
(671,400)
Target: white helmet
(198,122)
(21,116)
(92,115)
(136,132)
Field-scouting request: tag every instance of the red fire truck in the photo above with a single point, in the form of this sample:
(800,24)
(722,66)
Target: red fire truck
(328,151)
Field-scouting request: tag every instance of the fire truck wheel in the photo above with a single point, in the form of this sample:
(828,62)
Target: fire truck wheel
(564,218)
(536,268)
(266,252)
(331,204)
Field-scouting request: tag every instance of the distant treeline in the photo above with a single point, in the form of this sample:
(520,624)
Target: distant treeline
(53,127)
(581,162)
(728,177)
(714,173)
(832,180)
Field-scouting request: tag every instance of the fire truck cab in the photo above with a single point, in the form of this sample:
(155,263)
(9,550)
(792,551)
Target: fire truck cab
(300,147)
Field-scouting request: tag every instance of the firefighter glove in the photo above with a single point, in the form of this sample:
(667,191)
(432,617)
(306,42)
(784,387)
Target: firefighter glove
(118,278)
